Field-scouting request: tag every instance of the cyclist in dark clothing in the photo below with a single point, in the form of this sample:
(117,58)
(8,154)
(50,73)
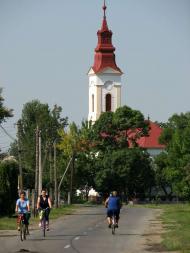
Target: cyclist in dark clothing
(43,203)
(113,204)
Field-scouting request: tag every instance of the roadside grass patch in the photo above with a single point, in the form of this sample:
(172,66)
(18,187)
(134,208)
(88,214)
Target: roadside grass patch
(7,223)
(177,236)
(10,223)
(176,221)
(63,210)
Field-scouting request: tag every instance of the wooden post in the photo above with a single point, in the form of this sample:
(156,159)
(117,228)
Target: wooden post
(36,170)
(40,165)
(50,172)
(55,176)
(19,157)
(71,177)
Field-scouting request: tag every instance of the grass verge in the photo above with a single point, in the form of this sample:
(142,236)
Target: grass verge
(9,223)
(176,221)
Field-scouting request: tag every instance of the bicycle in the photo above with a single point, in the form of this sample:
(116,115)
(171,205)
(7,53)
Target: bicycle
(43,220)
(23,226)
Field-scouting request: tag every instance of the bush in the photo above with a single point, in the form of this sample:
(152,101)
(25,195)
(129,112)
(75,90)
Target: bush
(8,186)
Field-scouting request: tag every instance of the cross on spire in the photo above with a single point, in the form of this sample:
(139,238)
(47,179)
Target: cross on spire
(104,8)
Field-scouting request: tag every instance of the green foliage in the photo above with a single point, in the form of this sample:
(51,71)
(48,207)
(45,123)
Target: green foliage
(118,166)
(116,130)
(126,170)
(4,112)
(49,122)
(173,166)
(8,186)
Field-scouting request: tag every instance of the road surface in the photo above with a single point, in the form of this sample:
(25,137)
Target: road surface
(86,231)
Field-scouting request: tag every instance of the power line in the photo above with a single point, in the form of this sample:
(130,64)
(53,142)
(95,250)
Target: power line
(5,131)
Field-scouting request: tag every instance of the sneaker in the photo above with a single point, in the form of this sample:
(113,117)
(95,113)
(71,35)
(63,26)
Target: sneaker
(18,228)
(47,229)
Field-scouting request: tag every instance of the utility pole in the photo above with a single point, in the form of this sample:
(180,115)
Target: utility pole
(55,175)
(36,170)
(50,171)
(71,178)
(40,164)
(19,157)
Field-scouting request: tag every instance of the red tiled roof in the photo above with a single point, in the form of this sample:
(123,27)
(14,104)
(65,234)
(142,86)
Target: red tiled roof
(151,141)
(147,142)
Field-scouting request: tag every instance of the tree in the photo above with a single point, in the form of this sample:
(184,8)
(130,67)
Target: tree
(4,112)
(121,165)
(176,138)
(8,186)
(120,129)
(163,175)
(70,144)
(126,170)
(49,122)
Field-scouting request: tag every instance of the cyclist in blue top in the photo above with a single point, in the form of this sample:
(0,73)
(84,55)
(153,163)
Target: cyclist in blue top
(23,207)
(113,204)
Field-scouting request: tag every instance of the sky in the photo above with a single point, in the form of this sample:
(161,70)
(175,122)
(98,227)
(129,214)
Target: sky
(47,48)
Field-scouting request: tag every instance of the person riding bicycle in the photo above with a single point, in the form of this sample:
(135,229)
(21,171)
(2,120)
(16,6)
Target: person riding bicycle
(44,202)
(23,207)
(113,205)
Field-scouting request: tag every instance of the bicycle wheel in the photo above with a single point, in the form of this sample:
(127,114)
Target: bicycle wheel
(44,226)
(113,225)
(22,231)
(113,229)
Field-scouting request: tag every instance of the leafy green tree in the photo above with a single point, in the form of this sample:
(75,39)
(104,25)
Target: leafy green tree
(8,186)
(77,143)
(4,112)
(126,170)
(119,129)
(163,174)
(49,122)
(121,164)
(176,138)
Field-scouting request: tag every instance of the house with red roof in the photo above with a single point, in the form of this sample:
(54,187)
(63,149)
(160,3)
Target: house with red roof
(151,142)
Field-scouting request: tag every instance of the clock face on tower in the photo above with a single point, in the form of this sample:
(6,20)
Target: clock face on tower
(108,85)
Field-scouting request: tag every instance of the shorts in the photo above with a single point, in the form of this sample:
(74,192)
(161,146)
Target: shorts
(110,213)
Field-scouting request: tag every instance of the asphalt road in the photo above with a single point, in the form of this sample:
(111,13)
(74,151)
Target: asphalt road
(86,231)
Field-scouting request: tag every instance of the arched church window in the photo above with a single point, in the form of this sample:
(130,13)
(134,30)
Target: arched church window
(92,102)
(108,102)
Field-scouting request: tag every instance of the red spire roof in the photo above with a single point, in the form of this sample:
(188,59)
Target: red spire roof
(104,52)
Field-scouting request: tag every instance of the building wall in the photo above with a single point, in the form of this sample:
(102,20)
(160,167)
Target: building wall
(99,86)
(154,151)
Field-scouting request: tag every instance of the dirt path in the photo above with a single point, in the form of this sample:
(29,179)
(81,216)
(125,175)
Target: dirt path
(153,235)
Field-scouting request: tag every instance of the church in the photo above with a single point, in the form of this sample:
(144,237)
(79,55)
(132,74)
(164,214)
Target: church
(105,86)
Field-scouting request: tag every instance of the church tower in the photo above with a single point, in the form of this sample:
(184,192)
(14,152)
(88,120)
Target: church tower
(104,75)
